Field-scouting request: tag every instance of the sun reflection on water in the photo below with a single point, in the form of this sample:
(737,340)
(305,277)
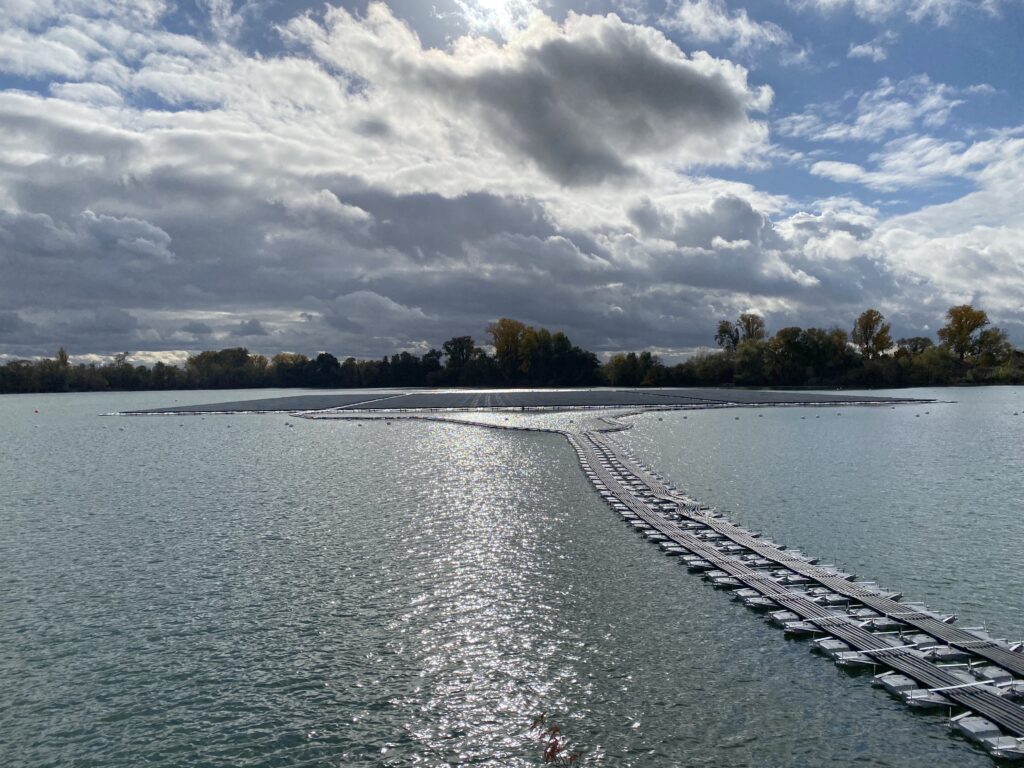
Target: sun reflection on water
(482,626)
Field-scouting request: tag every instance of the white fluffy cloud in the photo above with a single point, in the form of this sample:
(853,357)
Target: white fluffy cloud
(937,11)
(920,160)
(503,16)
(877,49)
(711,21)
(891,107)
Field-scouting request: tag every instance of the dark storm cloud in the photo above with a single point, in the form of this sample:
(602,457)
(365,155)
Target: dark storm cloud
(430,226)
(823,225)
(249,328)
(597,314)
(417,266)
(108,320)
(50,263)
(16,330)
(728,217)
(196,328)
(104,329)
(581,108)
(726,245)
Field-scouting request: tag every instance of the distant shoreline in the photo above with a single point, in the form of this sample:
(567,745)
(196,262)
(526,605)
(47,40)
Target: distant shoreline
(500,388)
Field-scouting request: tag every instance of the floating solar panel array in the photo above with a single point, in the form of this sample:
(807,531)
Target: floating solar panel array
(375,400)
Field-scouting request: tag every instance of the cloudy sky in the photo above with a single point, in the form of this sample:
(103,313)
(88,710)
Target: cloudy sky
(366,177)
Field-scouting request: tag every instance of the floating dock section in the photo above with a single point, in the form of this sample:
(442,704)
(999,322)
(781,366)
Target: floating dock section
(917,654)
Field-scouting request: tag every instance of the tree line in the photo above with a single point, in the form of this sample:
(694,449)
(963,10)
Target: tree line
(969,350)
(523,356)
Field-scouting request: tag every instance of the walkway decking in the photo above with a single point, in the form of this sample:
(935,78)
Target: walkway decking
(662,509)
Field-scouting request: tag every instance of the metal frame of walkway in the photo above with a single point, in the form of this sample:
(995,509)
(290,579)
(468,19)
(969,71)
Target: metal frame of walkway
(596,452)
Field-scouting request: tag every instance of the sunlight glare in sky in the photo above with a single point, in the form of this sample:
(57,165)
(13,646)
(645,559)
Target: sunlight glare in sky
(502,16)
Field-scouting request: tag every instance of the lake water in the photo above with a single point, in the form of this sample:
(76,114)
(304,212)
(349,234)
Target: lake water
(235,591)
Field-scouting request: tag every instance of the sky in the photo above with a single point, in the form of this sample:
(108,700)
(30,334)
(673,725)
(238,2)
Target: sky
(367,177)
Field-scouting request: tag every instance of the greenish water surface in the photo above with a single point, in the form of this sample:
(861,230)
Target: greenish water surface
(235,591)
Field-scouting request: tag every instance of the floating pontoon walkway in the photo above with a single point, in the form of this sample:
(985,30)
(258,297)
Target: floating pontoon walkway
(829,602)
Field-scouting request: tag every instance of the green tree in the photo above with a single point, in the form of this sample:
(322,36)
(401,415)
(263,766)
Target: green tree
(507,338)
(914,345)
(706,369)
(326,370)
(871,334)
(165,376)
(958,335)
(750,326)
(727,336)
(785,359)
(120,373)
(993,347)
(826,354)
(535,355)
(458,351)
(623,370)
(288,369)
(481,370)
(934,366)
(749,362)
(432,368)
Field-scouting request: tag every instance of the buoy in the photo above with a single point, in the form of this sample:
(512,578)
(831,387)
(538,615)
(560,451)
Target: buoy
(36,410)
